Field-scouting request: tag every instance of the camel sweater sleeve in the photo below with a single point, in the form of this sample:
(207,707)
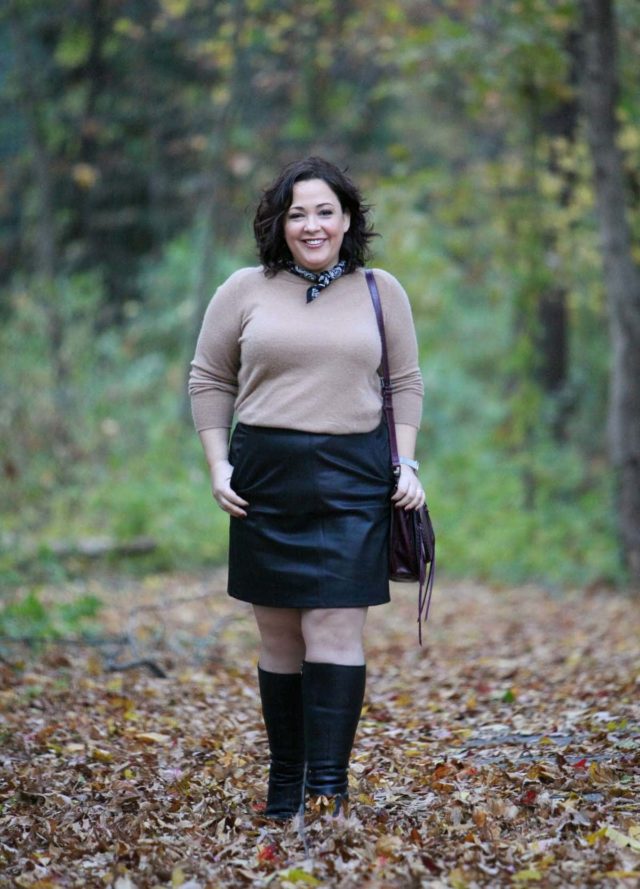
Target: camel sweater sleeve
(213,380)
(274,360)
(402,347)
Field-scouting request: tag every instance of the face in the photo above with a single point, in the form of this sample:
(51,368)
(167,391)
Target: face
(315,225)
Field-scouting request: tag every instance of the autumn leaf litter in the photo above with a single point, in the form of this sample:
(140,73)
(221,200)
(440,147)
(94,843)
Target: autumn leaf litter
(502,753)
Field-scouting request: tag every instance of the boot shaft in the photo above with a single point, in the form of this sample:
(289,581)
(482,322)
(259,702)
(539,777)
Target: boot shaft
(332,696)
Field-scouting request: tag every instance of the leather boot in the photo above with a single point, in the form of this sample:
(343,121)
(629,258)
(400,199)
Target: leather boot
(332,696)
(281,695)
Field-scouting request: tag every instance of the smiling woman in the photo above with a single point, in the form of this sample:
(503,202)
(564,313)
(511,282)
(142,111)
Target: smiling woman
(292,348)
(315,225)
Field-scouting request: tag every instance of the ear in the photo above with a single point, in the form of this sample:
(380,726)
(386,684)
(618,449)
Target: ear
(346,223)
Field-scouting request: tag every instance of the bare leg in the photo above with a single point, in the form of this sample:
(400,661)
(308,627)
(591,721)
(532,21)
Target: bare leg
(334,635)
(282,648)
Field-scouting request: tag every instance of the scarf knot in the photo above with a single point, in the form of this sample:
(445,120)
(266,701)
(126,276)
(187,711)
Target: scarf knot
(319,280)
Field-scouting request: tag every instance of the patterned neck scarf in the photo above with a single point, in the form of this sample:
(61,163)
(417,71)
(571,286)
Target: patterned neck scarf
(321,280)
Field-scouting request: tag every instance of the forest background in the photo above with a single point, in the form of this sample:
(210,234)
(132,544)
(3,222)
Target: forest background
(135,137)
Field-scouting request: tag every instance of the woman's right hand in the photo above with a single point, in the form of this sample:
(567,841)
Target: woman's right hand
(223,493)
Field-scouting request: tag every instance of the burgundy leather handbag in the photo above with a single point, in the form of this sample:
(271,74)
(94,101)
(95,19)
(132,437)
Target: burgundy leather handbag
(412,540)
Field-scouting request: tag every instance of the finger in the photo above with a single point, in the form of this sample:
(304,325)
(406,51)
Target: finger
(406,488)
(404,502)
(412,499)
(228,494)
(417,501)
(231,508)
(231,502)
(235,498)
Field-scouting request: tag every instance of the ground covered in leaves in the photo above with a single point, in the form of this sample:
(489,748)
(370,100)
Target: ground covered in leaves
(505,752)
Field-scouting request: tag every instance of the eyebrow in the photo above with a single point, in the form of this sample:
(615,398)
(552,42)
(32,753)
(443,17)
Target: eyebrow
(321,204)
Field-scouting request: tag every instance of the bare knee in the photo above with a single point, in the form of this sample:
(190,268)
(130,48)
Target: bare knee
(334,635)
(282,647)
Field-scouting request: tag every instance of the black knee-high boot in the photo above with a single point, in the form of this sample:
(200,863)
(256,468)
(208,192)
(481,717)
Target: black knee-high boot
(281,695)
(332,696)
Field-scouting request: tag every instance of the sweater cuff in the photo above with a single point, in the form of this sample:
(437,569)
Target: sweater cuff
(407,408)
(211,410)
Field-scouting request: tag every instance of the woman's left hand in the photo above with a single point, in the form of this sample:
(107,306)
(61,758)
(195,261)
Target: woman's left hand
(408,493)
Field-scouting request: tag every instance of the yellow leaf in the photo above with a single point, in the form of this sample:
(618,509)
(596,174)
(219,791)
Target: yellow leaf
(622,840)
(175,8)
(411,751)
(600,774)
(462,732)
(457,879)
(101,755)
(177,877)
(629,138)
(152,738)
(540,771)
(529,875)
(84,175)
(298,875)
(593,838)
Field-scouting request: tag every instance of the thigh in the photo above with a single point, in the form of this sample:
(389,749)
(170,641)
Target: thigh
(278,621)
(335,623)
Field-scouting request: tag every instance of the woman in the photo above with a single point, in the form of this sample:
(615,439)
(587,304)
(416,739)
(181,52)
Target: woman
(292,347)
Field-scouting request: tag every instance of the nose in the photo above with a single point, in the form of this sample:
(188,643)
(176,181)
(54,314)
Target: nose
(311,223)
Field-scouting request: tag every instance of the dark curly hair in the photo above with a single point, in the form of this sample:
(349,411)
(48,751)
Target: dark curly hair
(268,225)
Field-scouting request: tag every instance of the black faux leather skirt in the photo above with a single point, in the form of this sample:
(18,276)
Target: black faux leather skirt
(317,527)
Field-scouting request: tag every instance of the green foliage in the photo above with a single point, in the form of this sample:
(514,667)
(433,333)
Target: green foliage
(31,617)
(127,466)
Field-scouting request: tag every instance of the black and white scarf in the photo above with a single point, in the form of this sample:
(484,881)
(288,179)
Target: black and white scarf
(320,280)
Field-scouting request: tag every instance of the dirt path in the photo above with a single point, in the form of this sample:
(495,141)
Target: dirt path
(505,752)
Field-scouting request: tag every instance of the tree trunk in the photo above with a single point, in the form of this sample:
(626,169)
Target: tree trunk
(553,317)
(621,275)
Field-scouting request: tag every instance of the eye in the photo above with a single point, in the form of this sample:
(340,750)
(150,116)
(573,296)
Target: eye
(326,212)
(294,216)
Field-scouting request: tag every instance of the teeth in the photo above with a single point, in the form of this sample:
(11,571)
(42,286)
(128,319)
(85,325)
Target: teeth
(314,243)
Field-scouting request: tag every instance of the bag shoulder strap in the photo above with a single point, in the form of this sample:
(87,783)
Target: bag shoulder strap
(427,542)
(387,399)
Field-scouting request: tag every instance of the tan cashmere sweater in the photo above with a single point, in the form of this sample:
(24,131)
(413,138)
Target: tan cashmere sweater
(277,360)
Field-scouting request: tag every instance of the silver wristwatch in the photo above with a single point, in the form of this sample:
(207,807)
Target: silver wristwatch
(407,462)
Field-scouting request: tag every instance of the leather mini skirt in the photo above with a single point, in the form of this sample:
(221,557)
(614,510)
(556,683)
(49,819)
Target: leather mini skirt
(316,533)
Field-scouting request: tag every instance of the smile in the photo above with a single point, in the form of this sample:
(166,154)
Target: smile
(315,243)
